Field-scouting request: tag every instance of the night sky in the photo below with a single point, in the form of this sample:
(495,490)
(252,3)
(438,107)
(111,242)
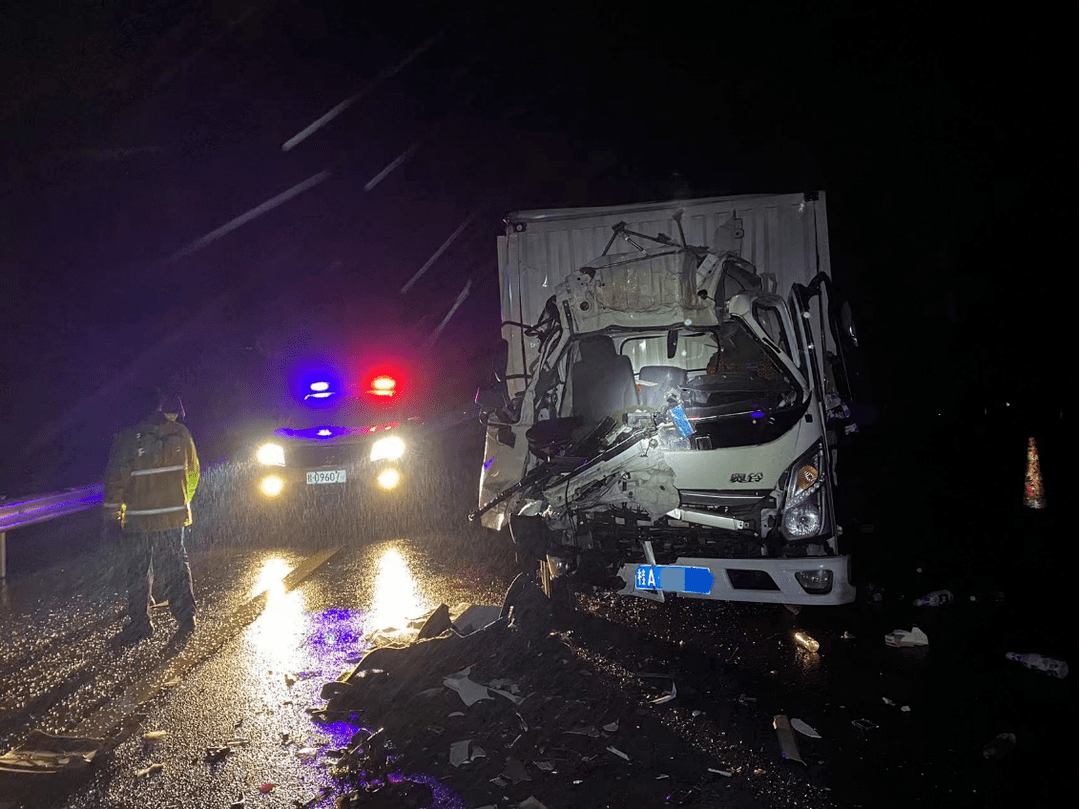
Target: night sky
(132,130)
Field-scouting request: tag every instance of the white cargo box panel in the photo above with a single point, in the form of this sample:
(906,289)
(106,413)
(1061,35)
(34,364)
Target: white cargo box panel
(785,236)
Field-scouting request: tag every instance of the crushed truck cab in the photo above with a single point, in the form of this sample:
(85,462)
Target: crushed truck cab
(668,407)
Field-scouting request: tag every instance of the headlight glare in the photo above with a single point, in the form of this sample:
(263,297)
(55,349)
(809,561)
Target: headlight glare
(271,455)
(271,486)
(389,479)
(390,448)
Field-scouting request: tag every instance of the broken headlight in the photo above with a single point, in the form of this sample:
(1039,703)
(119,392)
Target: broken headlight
(805,514)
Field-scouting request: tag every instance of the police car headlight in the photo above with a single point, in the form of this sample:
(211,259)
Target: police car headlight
(271,486)
(271,455)
(390,448)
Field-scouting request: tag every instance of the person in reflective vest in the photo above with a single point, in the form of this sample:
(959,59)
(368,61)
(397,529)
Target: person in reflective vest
(152,475)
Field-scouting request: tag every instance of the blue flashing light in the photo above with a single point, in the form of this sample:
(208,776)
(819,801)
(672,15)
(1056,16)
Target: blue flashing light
(758,414)
(317,433)
(320,387)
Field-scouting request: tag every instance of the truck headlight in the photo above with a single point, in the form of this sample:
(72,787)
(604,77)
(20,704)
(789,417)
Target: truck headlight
(804,503)
(271,486)
(390,448)
(271,455)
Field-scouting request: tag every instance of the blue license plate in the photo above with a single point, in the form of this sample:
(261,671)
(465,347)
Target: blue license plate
(674,579)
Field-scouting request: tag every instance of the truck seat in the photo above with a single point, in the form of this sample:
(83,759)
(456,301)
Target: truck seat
(603,380)
(666,377)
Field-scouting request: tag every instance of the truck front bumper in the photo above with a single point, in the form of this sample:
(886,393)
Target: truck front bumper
(766,581)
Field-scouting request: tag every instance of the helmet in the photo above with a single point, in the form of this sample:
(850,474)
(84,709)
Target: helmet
(170,403)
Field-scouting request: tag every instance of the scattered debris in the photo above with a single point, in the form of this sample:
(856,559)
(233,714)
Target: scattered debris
(267,788)
(887,701)
(999,746)
(437,623)
(290,680)
(683,797)
(847,636)
(662,776)
(807,642)
(789,748)
(546,766)
(307,753)
(1036,662)
(864,725)
(937,598)
(905,709)
(618,752)
(993,597)
(214,754)
(240,803)
(745,700)
(531,803)
(153,768)
(469,691)
(155,735)
(901,637)
(175,681)
(514,771)
(477,617)
(667,697)
(465,751)
(804,728)
(725,773)
(611,727)
(585,730)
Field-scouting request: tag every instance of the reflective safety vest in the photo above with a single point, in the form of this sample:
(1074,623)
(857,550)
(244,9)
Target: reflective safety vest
(152,475)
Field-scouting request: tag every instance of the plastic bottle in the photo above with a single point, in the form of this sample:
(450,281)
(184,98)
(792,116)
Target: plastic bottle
(807,642)
(999,746)
(935,599)
(1048,665)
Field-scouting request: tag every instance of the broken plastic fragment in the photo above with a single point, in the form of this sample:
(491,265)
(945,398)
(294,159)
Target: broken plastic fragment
(1037,662)
(611,727)
(469,691)
(725,773)
(789,748)
(531,803)
(804,728)
(155,735)
(267,788)
(153,768)
(905,708)
(171,683)
(459,753)
(515,771)
(901,637)
(667,697)
(456,713)
(546,766)
(863,724)
(585,730)
(618,752)
(887,701)
(307,752)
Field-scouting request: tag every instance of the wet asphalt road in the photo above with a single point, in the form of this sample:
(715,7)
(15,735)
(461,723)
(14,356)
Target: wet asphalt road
(735,666)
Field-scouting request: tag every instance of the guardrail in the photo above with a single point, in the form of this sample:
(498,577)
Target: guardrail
(32,510)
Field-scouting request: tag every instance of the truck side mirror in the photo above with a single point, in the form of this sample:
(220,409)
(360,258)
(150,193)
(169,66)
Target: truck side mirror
(492,397)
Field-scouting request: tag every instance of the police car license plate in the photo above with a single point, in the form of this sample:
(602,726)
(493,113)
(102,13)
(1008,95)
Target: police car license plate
(326,476)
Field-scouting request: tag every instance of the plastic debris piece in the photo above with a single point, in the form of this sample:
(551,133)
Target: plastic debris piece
(459,753)
(499,781)
(863,724)
(240,803)
(521,721)
(546,766)
(901,637)
(611,727)
(905,709)
(217,753)
(476,618)
(514,771)
(514,699)
(725,773)
(789,748)
(745,700)
(155,735)
(999,746)
(696,713)
(668,697)
(804,729)
(683,797)
(455,713)
(847,636)
(807,642)
(307,752)
(618,752)
(290,680)
(937,598)
(437,623)
(662,776)
(469,691)
(175,681)
(531,803)
(153,768)
(1036,662)
(267,788)
(887,701)
(585,730)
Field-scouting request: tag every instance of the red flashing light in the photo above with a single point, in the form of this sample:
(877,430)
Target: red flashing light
(383,386)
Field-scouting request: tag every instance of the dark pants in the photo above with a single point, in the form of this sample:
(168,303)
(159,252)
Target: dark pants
(160,554)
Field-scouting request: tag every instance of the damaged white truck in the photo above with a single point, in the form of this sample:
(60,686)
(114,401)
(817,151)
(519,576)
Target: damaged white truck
(671,397)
